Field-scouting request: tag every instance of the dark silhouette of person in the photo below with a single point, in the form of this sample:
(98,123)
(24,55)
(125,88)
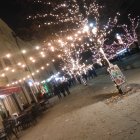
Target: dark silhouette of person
(90,74)
(66,87)
(73,79)
(94,72)
(56,91)
(84,76)
(78,79)
(61,89)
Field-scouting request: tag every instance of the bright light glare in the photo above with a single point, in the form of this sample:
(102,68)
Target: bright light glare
(91,24)
(8,55)
(86,28)
(37,47)
(23,51)
(94,30)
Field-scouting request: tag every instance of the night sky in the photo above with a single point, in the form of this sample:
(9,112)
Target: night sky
(9,12)
(13,11)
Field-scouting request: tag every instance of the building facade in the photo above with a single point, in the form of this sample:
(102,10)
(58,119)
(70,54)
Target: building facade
(18,71)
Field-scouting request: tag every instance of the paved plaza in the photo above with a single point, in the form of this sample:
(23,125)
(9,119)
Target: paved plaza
(86,114)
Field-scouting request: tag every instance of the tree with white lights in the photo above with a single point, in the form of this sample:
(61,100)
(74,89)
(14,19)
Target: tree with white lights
(75,33)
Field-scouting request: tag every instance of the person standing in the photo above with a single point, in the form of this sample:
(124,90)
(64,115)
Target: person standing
(56,91)
(94,72)
(90,75)
(66,87)
(61,89)
(84,76)
(78,79)
(73,79)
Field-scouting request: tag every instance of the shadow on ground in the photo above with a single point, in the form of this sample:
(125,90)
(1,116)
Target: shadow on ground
(134,85)
(103,97)
(65,106)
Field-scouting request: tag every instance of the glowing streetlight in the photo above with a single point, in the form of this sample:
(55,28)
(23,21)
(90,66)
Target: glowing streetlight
(91,24)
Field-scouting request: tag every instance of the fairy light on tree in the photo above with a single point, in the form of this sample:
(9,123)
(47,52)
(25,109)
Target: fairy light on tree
(71,42)
(129,35)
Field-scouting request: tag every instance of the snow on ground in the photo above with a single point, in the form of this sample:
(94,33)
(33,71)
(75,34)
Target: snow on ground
(85,115)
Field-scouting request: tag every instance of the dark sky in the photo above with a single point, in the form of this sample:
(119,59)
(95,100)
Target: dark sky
(9,12)
(12,11)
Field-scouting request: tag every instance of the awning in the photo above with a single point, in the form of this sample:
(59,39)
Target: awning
(10,90)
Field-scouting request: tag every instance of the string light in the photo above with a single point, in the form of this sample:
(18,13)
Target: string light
(23,51)
(37,47)
(23,66)
(42,68)
(8,55)
(70,47)
(33,74)
(28,76)
(19,64)
(31,58)
(7,68)
(13,70)
(3,75)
